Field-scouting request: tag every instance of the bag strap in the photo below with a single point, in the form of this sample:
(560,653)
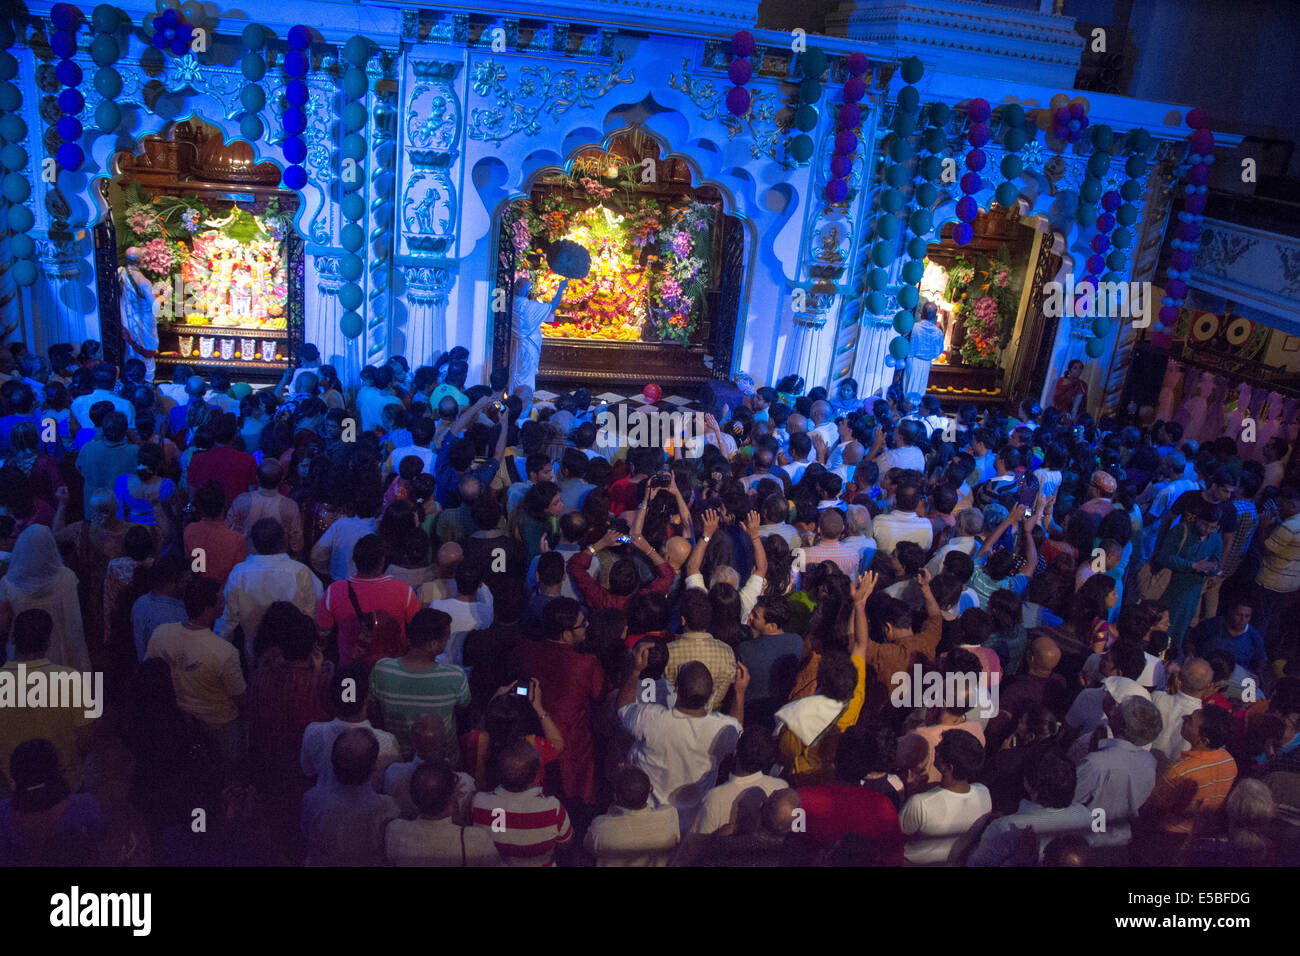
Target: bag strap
(356,605)
(463,859)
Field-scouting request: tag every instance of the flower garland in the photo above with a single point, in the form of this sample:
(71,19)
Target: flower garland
(682,283)
(984,294)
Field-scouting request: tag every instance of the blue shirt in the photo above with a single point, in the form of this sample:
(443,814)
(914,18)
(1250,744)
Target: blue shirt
(773,663)
(445,477)
(1246,648)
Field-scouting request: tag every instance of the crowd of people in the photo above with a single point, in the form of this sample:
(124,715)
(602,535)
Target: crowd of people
(423,623)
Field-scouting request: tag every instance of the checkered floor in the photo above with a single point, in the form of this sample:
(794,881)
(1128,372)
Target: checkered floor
(634,402)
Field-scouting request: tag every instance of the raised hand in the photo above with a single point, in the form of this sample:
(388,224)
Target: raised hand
(710,523)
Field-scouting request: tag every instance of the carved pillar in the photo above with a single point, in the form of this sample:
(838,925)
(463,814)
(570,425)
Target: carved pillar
(335,348)
(427,334)
(812,342)
(61,304)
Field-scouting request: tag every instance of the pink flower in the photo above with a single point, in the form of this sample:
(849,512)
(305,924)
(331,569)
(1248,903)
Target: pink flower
(681,244)
(156,256)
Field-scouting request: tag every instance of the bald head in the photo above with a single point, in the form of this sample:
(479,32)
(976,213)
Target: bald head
(779,811)
(1197,677)
(831,524)
(852,453)
(270,473)
(694,686)
(1044,655)
(821,410)
(796,423)
(354,755)
(428,737)
(677,551)
(449,557)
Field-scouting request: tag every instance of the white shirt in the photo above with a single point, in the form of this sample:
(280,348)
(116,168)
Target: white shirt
(333,552)
(1169,746)
(723,803)
(443,589)
(749,594)
(680,754)
(894,526)
(258,582)
(1118,777)
(81,407)
(205,671)
(641,837)
(933,821)
(909,456)
(965,545)
(998,841)
(416,451)
(466,616)
(318,745)
(370,405)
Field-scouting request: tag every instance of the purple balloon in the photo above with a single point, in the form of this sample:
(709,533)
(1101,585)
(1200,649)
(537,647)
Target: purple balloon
(1195,204)
(1176,288)
(63,44)
(976,160)
(295,177)
(738,101)
(1061,116)
(850,116)
(857,64)
(1075,110)
(294,121)
(979,110)
(1199,175)
(846,142)
(1197,118)
(837,190)
(1168,314)
(1100,244)
(170,18)
(160,40)
(740,71)
(1110,200)
(159,24)
(179,45)
(71,102)
(69,128)
(967,209)
(299,37)
(1105,222)
(1181,259)
(1202,141)
(841,165)
(68,73)
(979,134)
(963,233)
(295,150)
(1096,264)
(1189,232)
(970,183)
(854,89)
(742,44)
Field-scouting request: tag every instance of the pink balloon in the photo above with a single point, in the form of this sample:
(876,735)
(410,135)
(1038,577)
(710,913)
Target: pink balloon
(652,392)
(742,44)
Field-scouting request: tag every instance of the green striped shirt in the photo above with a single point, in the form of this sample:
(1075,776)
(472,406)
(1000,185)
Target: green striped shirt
(405,694)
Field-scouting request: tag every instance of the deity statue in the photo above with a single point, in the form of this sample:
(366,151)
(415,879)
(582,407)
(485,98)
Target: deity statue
(1168,392)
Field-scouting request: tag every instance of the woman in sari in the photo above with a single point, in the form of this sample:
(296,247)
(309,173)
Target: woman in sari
(1071,394)
(37,577)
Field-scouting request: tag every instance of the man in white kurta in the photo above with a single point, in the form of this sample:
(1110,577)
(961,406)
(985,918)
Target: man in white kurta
(526,331)
(139,324)
(926,346)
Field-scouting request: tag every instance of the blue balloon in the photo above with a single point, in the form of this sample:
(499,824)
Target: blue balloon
(108,116)
(69,128)
(253,66)
(69,157)
(109,82)
(351,267)
(295,63)
(63,44)
(20,218)
(65,16)
(295,150)
(24,272)
(170,18)
(299,37)
(352,237)
(252,97)
(294,121)
(71,102)
(251,128)
(254,36)
(295,93)
(353,207)
(295,177)
(21,245)
(68,73)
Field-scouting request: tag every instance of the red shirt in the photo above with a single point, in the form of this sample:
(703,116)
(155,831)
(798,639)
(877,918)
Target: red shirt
(624,495)
(834,809)
(373,594)
(236,471)
(598,598)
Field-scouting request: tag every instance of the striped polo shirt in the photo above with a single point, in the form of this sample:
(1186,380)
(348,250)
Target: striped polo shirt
(406,693)
(526,827)
(1213,771)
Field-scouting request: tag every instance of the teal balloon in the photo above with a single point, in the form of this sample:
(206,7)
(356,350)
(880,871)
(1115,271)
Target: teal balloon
(104,18)
(355,83)
(904,123)
(22,246)
(354,117)
(1101,326)
(1112,277)
(901,150)
(927,194)
(250,127)
(108,82)
(903,322)
(1131,190)
(24,272)
(1098,163)
(932,167)
(104,50)
(350,267)
(352,237)
(1014,140)
(13,157)
(877,303)
(805,118)
(1135,167)
(877,280)
(1139,140)
(887,227)
(354,184)
(940,113)
(253,98)
(354,146)
(350,325)
(908,297)
(254,36)
(1102,136)
(350,296)
(1012,166)
(891,200)
(917,247)
(810,91)
(1126,214)
(1116,260)
(12,127)
(899,348)
(253,66)
(1121,238)
(800,148)
(812,62)
(935,139)
(912,69)
(108,116)
(897,176)
(1086,214)
(1006,194)
(20,218)
(1090,190)
(921,222)
(353,207)
(16,188)
(357,51)
(1094,347)
(882,253)
(10,97)
(1013,116)
(913,271)
(909,99)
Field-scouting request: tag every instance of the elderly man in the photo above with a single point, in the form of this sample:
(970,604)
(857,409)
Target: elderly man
(267,502)
(1119,775)
(264,577)
(434,838)
(633,833)
(1196,684)
(846,555)
(344,822)
(1100,492)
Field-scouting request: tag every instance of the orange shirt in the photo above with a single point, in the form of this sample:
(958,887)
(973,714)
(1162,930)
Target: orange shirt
(1212,771)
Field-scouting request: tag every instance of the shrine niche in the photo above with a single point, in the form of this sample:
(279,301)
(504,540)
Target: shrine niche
(662,294)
